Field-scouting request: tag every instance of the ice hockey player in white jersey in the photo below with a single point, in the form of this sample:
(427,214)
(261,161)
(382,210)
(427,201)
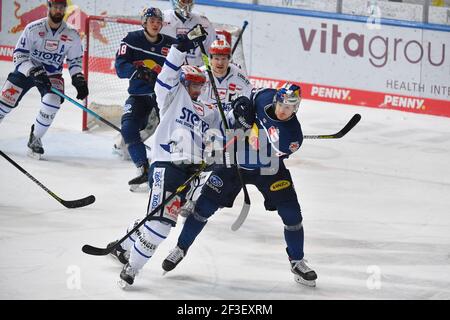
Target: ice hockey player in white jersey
(180,20)
(177,152)
(38,58)
(231,83)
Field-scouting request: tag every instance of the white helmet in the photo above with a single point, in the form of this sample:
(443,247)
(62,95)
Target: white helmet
(183,7)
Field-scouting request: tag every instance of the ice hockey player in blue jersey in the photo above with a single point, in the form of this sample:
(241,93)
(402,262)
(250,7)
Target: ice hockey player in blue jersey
(273,134)
(140,58)
(39,57)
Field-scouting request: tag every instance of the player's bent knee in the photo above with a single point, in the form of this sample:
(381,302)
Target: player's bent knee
(204,208)
(290,213)
(130,132)
(157,231)
(295,227)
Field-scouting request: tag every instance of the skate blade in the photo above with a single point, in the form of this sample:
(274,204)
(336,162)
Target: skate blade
(139,188)
(34,155)
(308,283)
(123,284)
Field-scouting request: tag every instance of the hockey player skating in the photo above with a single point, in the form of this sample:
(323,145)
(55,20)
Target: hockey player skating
(231,83)
(140,57)
(38,58)
(270,116)
(179,20)
(177,151)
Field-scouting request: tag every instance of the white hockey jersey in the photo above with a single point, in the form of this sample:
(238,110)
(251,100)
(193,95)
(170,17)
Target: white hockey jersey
(173,26)
(184,124)
(39,45)
(230,87)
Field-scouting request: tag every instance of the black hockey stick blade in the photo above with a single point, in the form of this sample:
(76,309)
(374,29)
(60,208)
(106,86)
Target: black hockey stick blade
(241,218)
(349,126)
(96,251)
(71,204)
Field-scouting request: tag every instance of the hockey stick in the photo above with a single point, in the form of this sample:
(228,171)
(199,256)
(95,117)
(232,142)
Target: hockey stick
(94,114)
(246,207)
(349,126)
(104,251)
(66,203)
(239,37)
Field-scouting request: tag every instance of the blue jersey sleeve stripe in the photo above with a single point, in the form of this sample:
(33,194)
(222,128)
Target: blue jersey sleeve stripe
(171,65)
(79,58)
(74,66)
(21,50)
(162,84)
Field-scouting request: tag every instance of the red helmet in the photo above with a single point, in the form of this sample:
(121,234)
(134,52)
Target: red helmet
(220,47)
(50,2)
(191,74)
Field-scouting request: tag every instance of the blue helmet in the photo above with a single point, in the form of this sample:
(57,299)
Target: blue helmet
(150,12)
(289,94)
(183,7)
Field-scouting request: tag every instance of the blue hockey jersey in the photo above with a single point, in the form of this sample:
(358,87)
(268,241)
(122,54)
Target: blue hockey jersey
(135,50)
(270,140)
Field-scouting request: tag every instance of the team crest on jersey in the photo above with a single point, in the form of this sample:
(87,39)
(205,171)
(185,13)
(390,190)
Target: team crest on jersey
(222,93)
(65,38)
(274,134)
(294,146)
(232,86)
(165,51)
(51,45)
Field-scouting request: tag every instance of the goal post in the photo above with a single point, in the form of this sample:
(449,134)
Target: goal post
(107,92)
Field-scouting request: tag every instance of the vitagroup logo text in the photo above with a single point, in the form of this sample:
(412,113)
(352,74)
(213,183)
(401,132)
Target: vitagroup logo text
(380,49)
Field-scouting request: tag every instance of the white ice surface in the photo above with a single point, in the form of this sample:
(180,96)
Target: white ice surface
(376,208)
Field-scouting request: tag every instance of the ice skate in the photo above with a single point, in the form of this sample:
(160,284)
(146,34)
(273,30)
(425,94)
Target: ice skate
(140,183)
(35,149)
(303,274)
(127,276)
(173,259)
(119,253)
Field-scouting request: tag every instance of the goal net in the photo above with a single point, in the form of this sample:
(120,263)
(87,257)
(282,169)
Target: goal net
(107,92)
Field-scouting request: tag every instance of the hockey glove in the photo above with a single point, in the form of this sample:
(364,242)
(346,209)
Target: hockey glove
(146,74)
(192,39)
(244,113)
(80,84)
(41,80)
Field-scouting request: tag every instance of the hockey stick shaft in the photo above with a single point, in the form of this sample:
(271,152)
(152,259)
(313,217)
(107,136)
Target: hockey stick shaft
(349,126)
(205,58)
(92,113)
(104,251)
(68,204)
(239,37)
